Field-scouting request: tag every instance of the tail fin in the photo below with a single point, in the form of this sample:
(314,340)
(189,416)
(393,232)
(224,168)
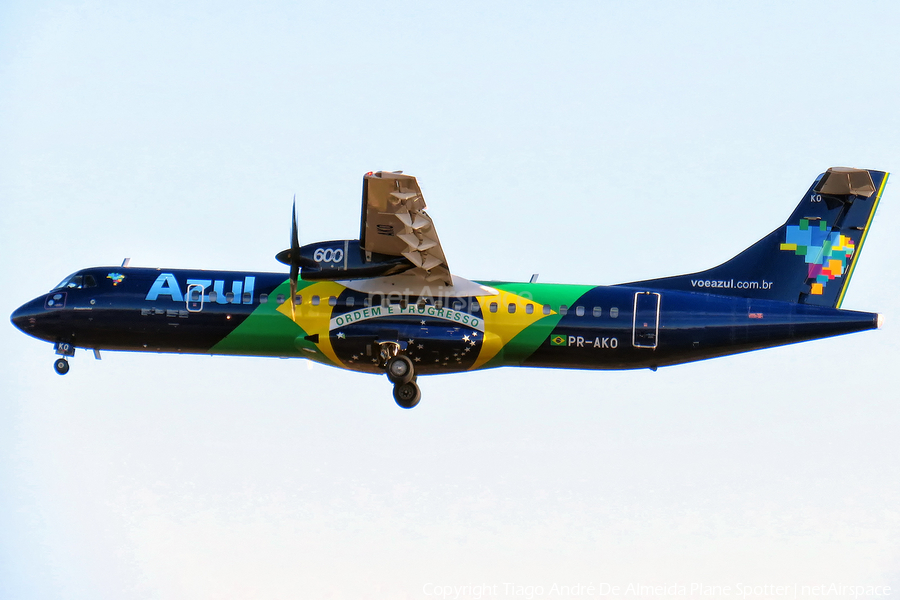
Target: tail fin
(809,259)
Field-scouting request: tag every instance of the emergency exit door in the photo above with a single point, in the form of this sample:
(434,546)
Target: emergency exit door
(645,333)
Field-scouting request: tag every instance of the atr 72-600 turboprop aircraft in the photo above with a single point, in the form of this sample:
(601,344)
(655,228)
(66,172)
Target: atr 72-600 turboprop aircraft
(388,303)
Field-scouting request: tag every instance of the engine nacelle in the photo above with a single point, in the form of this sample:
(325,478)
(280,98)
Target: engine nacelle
(344,259)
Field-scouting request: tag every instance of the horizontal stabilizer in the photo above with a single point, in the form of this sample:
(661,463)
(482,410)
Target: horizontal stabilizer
(844,181)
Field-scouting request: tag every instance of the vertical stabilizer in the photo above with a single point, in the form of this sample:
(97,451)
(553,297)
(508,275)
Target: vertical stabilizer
(809,259)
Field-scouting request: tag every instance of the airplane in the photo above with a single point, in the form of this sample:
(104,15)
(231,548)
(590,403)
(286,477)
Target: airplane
(387,303)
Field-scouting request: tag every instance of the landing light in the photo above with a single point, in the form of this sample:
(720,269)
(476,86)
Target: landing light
(879,322)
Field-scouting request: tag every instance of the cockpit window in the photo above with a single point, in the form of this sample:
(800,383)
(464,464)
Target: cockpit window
(71,282)
(77,282)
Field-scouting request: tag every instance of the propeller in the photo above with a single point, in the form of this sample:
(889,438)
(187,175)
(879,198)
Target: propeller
(292,256)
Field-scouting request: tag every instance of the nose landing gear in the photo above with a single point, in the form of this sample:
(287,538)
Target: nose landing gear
(61,366)
(63,349)
(402,373)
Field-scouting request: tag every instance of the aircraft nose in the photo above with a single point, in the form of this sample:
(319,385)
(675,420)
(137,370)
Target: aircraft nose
(25,317)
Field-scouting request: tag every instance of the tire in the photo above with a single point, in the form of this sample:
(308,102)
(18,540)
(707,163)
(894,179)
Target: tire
(407,395)
(61,366)
(400,369)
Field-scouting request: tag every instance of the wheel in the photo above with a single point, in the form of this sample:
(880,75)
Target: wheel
(400,369)
(407,395)
(61,366)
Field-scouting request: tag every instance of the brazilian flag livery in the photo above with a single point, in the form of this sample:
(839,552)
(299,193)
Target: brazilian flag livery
(386,304)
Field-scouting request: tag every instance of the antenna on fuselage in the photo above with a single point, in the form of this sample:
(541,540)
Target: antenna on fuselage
(126,262)
(534,278)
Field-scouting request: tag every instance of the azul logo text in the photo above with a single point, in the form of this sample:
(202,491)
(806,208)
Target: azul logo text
(167,285)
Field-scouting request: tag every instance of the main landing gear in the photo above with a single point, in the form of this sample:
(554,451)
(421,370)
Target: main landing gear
(402,374)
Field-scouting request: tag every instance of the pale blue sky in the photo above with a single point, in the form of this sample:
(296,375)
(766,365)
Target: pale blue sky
(590,142)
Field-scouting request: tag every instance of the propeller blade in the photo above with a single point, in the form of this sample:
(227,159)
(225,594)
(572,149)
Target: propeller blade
(294,271)
(295,233)
(291,256)
(295,255)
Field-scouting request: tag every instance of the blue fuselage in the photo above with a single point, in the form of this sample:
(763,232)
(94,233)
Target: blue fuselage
(523,324)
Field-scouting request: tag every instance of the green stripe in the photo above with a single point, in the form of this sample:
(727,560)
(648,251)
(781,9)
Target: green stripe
(862,241)
(267,332)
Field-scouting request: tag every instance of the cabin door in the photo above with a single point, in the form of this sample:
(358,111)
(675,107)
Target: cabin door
(645,332)
(194,299)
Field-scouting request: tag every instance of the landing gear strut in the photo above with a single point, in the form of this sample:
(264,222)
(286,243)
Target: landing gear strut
(402,373)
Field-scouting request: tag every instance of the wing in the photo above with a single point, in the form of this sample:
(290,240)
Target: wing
(394,222)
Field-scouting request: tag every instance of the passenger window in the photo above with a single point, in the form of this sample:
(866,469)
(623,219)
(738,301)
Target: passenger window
(332,301)
(247,298)
(349,302)
(598,312)
(563,310)
(474,306)
(263,298)
(194,296)
(547,309)
(298,300)
(457,305)
(493,307)
(614,312)
(439,304)
(315,301)
(529,308)
(579,311)
(229,297)
(213,296)
(279,298)
(511,307)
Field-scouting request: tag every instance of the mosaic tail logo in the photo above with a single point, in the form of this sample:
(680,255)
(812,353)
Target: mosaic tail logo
(826,253)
